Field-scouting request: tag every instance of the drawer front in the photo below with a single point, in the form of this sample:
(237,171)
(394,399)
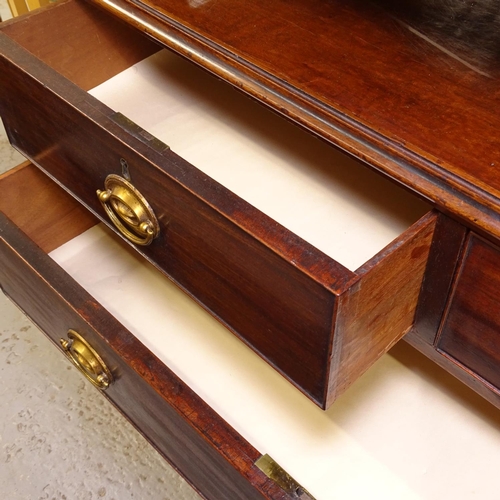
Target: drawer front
(316,322)
(471,329)
(191,436)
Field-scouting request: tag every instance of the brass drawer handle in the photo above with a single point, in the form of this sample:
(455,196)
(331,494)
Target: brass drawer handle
(128,210)
(84,357)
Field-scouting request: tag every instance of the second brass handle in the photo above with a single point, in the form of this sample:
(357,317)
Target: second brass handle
(86,359)
(128,210)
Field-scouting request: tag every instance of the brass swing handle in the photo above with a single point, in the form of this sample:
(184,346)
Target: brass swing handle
(86,359)
(128,210)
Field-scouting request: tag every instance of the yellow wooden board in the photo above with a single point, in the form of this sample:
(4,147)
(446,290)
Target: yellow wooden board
(19,7)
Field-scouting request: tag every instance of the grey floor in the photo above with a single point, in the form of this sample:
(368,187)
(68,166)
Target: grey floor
(59,438)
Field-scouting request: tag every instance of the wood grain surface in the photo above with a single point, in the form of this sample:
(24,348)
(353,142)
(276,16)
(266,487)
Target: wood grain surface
(56,33)
(47,214)
(454,367)
(444,257)
(379,307)
(471,329)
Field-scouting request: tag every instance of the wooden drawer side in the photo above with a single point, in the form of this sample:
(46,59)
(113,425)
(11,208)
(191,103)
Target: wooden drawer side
(104,45)
(49,216)
(379,307)
(444,258)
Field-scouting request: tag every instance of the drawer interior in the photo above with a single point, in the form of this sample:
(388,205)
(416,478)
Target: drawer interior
(328,199)
(321,286)
(394,423)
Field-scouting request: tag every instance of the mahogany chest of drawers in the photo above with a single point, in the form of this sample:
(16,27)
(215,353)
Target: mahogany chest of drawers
(318,320)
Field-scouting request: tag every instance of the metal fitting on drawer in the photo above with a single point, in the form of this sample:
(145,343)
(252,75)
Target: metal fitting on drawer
(128,210)
(86,359)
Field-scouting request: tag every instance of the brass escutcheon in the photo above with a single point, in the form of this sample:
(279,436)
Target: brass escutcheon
(86,359)
(128,210)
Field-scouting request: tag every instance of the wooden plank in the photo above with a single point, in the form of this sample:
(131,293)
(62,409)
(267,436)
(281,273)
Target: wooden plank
(18,7)
(470,332)
(47,214)
(443,260)
(379,307)
(95,47)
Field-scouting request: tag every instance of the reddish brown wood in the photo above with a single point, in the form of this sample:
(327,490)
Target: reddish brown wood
(95,47)
(188,433)
(379,307)
(354,76)
(444,256)
(48,215)
(471,330)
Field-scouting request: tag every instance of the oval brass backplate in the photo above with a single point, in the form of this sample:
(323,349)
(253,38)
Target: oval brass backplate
(128,210)
(86,359)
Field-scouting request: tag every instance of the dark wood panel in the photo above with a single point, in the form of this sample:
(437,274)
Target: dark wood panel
(48,215)
(471,330)
(443,260)
(57,33)
(186,431)
(352,74)
(274,290)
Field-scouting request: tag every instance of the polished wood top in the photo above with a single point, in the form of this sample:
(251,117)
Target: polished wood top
(359,77)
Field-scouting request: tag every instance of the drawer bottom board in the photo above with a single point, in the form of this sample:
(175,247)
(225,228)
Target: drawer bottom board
(395,434)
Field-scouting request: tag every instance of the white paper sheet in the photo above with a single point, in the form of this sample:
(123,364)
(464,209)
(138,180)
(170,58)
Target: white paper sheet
(405,430)
(334,203)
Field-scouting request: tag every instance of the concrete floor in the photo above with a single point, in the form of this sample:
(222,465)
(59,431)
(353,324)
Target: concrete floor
(59,438)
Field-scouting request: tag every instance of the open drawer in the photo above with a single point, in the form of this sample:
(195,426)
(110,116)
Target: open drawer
(272,278)
(209,404)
